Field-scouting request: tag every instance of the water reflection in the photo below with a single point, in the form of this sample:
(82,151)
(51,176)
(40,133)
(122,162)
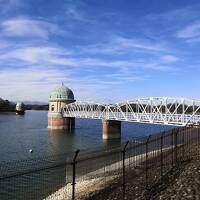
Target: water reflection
(62,141)
(107,144)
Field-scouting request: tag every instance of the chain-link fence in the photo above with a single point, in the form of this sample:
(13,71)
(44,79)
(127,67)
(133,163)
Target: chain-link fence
(127,172)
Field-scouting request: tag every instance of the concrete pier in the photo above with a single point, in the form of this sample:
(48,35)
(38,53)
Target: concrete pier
(57,121)
(111,129)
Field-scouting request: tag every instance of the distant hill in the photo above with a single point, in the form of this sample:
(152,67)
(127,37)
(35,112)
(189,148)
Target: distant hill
(36,107)
(35,103)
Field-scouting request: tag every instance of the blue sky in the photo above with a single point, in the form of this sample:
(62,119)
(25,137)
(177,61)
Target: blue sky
(104,50)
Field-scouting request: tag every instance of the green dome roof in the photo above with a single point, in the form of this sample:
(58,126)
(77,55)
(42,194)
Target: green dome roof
(62,93)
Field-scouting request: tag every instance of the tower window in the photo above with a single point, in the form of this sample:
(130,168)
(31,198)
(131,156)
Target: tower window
(52,108)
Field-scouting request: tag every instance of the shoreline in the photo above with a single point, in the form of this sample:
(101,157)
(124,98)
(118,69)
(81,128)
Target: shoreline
(7,113)
(94,181)
(14,112)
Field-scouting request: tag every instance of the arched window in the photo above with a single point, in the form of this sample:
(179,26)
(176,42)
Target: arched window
(52,108)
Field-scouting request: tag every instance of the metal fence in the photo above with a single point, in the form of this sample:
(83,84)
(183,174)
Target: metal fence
(128,172)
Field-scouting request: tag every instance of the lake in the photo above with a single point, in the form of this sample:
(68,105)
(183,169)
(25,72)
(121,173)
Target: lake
(19,134)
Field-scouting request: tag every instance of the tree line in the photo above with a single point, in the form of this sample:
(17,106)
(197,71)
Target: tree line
(8,106)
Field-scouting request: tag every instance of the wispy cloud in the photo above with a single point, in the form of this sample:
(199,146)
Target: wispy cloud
(72,12)
(123,45)
(192,31)
(179,15)
(97,55)
(39,81)
(75,11)
(169,22)
(139,44)
(29,82)
(26,28)
(169,58)
(54,55)
(37,55)
(4,44)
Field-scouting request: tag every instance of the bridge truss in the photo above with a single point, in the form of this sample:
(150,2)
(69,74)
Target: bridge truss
(154,110)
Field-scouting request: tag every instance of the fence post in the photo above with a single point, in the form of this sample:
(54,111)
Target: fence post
(161,155)
(183,144)
(74,162)
(198,138)
(172,146)
(124,180)
(146,162)
(175,145)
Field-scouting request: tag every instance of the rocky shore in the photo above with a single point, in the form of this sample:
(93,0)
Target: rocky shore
(182,183)
(185,186)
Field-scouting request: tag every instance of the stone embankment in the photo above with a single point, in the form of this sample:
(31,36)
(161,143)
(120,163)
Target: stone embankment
(185,186)
(183,183)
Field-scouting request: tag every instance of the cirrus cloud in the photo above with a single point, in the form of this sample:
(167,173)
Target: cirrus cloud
(190,31)
(169,58)
(25,27)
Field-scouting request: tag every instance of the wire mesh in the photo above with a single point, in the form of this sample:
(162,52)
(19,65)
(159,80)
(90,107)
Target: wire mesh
(127,172)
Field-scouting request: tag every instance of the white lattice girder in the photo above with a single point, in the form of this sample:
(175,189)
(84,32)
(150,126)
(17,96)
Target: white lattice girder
(155,110)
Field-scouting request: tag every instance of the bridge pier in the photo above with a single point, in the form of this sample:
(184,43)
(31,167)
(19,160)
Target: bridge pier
(57,121)
(111,129)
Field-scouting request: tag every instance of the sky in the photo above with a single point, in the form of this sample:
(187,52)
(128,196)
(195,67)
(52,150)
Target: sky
(104,50)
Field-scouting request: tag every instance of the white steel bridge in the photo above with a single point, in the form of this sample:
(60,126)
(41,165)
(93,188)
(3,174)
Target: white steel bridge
(154,110)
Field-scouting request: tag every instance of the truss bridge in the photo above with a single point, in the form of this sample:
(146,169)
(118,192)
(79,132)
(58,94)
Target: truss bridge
(154,110)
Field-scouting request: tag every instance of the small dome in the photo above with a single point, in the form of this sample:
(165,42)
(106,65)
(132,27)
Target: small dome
(62,93)
(20,106)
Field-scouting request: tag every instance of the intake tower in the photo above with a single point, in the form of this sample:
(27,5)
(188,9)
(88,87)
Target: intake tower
(20,108)
(60,97)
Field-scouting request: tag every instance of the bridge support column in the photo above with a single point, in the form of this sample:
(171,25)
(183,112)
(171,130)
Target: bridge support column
(57,121)
(111,129)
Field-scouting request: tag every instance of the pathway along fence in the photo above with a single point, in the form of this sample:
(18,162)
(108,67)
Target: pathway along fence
(127,172)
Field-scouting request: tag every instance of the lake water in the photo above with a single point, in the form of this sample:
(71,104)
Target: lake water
(18,134)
